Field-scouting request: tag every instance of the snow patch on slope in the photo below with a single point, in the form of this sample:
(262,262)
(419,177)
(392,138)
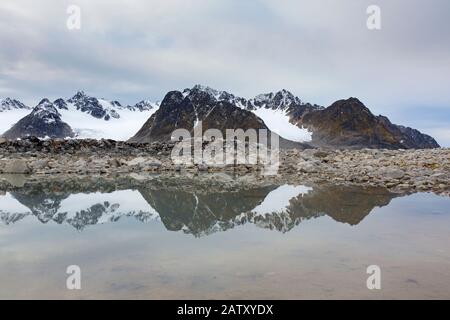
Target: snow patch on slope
(278,122)
(86,126)
(10,118)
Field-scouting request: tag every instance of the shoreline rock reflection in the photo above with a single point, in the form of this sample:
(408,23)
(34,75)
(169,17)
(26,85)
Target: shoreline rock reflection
(191,205)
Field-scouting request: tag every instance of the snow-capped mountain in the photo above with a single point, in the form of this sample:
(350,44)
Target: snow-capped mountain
(46,111)
(220,110)
(281,100)
(95,118)
(275,109)
(278,110)
(217,95)
(102,108)
(89,117)
(186,109)
(98,108)
(346,123)
(43,121)
(12,104)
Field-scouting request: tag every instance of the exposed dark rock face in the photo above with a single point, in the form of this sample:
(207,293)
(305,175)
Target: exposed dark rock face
(92,106)
(185,110)
(282,100)
(348,123)
(43,121)
(345,124)
(61,104)
(141,106)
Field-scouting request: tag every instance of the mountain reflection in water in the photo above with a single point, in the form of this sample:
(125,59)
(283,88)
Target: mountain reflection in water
(198,210)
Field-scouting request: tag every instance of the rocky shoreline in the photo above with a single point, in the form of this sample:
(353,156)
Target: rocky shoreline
(401,171)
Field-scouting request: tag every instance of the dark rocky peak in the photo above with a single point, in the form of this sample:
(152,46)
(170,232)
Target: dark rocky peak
(143,105)
(172,98)
(200,94)
(349,103)
(281,100)
(116,103)
(349,107)
(203,89)
(80,95)
(60,104)
(46,110)
(100,109)
(285,98)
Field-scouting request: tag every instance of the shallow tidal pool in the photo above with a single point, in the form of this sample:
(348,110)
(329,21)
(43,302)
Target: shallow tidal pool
(271,242)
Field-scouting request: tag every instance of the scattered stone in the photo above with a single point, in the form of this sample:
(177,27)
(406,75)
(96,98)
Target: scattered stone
(399,170)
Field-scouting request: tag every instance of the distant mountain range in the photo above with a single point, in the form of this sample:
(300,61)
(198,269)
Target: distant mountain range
(12,104)
(344,124)
(87,117)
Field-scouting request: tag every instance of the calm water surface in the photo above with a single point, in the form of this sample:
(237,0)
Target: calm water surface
(160,241)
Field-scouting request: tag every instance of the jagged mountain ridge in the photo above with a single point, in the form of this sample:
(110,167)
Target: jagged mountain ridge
(185,110)
(12,104)
(346,123)
(43,121)
(215,109)
(349,123)
(101,108)
(89,117)
(200,212)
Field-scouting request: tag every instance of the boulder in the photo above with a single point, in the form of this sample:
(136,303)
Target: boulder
(392,173)
(16,167)
(136,161)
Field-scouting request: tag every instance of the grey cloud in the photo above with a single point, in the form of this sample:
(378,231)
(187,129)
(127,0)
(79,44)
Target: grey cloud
(320,50)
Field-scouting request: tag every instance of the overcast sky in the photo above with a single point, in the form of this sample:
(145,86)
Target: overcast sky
(321,50)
